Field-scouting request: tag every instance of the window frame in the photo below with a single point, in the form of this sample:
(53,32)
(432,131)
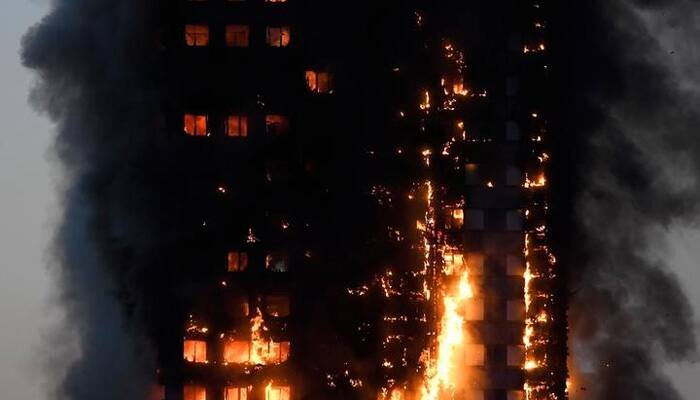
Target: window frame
(192,38)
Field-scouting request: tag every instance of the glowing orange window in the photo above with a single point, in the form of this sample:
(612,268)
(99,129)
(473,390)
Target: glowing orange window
(279,352)
(235,393)
(195,351)
(193,392)
(236,352)
(277,392)
(197,35)
(196,125)
(454,218)
(319,82)
(278,36)
(276,124)
(237,261)
(237,126)
(237,35)
(453,260)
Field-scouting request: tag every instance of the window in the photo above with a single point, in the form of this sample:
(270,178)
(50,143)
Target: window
(276,124)
(235,393)
(237,126)
(273,392)
(319,82)
(475,262)
(196,125)
(514,177)
(196,35)
(238,307)
(514,266)
(512,131)
(474,310)
(516,395)
(277,306)
(237,35)
(278,352)
(195,351)
(237,261)
(475,220)
(276,262)
(514,220)
(278,36)
(454,218)
(275,1)
(471,171)
(516,310)
(474,355)
(516,356)
(192,392)
(236,351)
(453,260)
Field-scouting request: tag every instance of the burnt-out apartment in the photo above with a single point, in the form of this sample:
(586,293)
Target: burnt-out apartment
(366,190)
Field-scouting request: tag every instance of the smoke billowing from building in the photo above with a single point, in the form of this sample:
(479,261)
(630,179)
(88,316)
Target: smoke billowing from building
(93,60)
(138,202)
(635,79)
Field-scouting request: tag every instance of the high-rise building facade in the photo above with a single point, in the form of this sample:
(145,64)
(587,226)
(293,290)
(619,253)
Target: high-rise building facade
(367,196)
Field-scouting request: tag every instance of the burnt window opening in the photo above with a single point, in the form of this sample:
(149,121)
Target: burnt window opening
(196,35)
(235,393)
(278,352)
(239,307)
(195,351)
(274,392)
(453,260)
(237,351)
(266,352)
(237,35)
(237,126)
(277,306)
(194,392)
(278,36)
(277,262)
(276,124)
(474,355)
(196,124)
(454,217)
(237,261)
(319,82)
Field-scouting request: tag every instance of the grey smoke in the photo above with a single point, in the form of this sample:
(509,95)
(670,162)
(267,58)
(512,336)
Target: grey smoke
(91,59)
(639,177)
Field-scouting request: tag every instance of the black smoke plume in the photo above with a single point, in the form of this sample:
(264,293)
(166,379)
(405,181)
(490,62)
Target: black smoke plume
(94,60)
(631,130)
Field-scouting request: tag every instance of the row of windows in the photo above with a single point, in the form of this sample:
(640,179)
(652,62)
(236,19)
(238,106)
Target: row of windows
(474,310)
(238,352)
(274,261)
(274,306)
(272,392)
(235,125)
(454,260)
(198,35)
(475,355)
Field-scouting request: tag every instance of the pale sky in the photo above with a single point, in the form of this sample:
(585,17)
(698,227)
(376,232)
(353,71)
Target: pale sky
(29,209)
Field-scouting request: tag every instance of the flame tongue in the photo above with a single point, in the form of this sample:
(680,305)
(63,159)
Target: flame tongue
(440,380)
